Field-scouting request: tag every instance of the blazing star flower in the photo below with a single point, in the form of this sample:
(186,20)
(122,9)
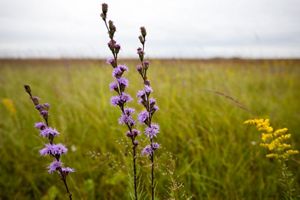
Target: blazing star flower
(147,150)
(110,61)
(55,165)
(113,86)
(152,131)
(119,85)
(123,82)
(115,100)
(148,89)
(67,170)
(53,149)
(119,70)
(141,94)
(40,125)
(46,132)
(143,116)
(125,97)
(155,146)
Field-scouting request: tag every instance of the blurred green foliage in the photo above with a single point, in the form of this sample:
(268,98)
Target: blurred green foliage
(207,152)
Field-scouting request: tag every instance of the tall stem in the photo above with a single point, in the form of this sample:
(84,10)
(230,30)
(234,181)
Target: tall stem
(134,171)
(66,185)
(152,175)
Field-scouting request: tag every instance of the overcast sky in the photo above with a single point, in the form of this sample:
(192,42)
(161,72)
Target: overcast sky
(176,28)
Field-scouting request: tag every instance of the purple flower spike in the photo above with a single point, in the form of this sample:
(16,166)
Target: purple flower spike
(46,132)
(152,131)
(40,125)
(143,116)
(51,149)
(55,165)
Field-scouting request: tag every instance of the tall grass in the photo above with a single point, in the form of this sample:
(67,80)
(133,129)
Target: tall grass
(209,154)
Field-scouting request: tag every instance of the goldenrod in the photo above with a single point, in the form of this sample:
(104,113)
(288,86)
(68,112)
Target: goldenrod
(9,105)
(275,141)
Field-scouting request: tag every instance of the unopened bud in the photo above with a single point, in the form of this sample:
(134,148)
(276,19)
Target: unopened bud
(104,8)
(143,31)
(141,39)
(27,89)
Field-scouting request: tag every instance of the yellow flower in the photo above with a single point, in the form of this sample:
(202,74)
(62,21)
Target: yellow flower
(274,141)
(9,105)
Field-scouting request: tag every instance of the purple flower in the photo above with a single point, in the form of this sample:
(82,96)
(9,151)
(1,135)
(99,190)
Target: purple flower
(110,61)
(113,86)
(152,101)
(128,111)
(148,89)
(125,97)
(115,100)
(39,107)
(46,106)
(58,149)
(120,100)
(139,68)
(40,125)
(123,82)
(53,149)
(126,118)
(147,150)
(123,67)
(155,146)
(119,70)
(152,130)
(141,94)
(146,64)
(133,133)
(54,166)
(44,113)
(67,170)
(49,131)
(143,116)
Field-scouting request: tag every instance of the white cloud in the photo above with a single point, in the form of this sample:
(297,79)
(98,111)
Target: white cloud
(191,28)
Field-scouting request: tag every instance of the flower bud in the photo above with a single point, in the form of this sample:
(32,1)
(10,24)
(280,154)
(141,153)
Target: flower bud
(143,31)
(27,89)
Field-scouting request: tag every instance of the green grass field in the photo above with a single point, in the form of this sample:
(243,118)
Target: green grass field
(207,152)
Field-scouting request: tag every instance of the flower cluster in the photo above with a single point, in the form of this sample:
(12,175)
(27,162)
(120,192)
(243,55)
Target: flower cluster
(119,86)
(145,116)
(51,149)
(120,83)
(276,141)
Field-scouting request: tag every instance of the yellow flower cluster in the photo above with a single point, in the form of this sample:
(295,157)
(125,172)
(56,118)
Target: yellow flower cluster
(9,105)
(275,141)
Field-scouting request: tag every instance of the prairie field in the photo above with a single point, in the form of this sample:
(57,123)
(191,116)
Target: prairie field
(206,150)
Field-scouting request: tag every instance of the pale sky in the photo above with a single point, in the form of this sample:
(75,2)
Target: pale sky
(176,28)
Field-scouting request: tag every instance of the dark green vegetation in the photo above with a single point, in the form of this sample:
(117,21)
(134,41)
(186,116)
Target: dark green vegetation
(207,152)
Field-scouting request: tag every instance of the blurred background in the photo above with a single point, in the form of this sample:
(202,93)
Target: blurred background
(177,29)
